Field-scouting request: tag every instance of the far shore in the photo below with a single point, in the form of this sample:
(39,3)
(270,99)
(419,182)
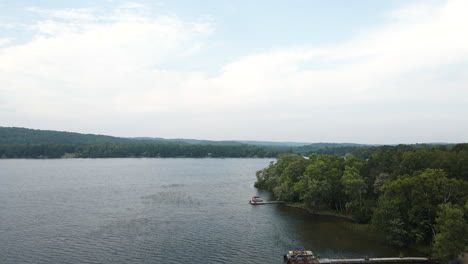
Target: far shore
(133,157)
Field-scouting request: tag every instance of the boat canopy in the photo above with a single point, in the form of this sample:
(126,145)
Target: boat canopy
(298,247)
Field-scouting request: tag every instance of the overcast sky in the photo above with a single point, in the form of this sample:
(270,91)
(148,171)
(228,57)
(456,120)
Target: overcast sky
(392,71)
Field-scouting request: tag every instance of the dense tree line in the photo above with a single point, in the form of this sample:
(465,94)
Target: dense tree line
(18,135)
(412,194)
(329,148)
(121,150)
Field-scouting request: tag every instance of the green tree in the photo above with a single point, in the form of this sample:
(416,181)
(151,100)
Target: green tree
(266,177)
(388,220)
(320,186)
(315,187)
(451,238)
(354,185)
(380,180)
(416,199)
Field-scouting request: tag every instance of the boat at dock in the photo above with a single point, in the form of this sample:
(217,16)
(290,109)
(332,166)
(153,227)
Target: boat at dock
(256,200)
(298,255)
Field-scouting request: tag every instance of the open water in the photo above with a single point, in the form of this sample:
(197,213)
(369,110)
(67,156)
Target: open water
(157,211)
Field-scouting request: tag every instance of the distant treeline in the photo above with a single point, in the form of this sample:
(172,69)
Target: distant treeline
(32,143)
(155,149)
(18,142)
(122,150)
(329,148)
(18,135)
(413,194)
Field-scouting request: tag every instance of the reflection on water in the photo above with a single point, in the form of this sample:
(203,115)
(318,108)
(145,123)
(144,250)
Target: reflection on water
(174,185)
(172,199)
(157,211)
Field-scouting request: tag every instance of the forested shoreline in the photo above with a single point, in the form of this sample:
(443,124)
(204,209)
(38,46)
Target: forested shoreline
(413,195)
(16,142)
(125,150)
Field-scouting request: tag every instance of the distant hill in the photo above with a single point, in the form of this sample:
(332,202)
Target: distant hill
(227,142)
(272,143)
(191,141)
(40,144)
(333,145)
(18,142)
(17,135)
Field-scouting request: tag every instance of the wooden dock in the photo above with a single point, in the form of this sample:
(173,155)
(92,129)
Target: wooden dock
(273,202)
(373,260)
(266,202)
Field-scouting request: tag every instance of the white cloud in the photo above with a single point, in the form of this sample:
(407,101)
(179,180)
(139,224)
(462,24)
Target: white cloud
(7,26)
(131,5)
(384,80)
(4,41)
(86,65)
(75,14)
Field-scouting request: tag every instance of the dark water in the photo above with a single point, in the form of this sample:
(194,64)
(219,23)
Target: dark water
(156,211)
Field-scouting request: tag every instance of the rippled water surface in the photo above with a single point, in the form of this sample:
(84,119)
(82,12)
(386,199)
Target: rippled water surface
(156,211)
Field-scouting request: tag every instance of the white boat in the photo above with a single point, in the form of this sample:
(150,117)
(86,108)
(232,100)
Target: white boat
(256,200)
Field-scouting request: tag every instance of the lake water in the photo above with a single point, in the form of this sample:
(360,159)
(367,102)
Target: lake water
(157,211)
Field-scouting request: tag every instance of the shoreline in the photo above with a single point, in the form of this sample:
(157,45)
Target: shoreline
(319,213)
(420,249)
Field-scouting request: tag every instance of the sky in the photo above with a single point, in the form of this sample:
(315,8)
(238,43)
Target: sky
(361,71)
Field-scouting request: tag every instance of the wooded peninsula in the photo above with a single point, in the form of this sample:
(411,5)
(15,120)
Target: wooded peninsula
(414,195)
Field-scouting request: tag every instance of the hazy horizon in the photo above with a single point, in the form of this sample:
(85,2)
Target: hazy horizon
(379,72)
